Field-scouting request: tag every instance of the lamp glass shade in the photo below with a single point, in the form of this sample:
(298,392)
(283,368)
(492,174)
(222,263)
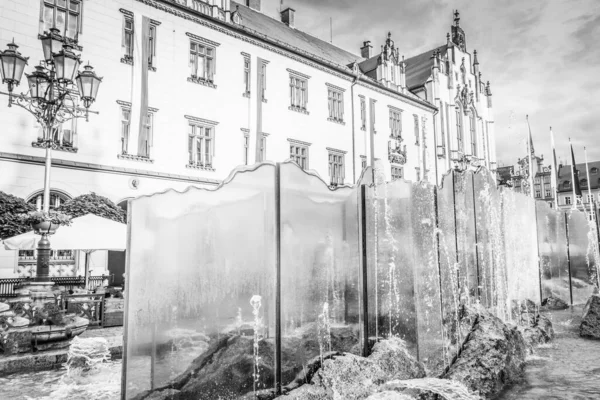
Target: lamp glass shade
(38,84)
(66,63)
(88,83)
(13,64)
(51,44)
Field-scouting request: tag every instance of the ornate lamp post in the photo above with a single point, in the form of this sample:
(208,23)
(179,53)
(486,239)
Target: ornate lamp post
(51,99)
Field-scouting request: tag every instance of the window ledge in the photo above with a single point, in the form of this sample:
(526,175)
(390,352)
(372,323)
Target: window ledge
(132,157)
(337,121)
(127,60)
(298,109)
(201,81)
(200,167)
(68,149)
(69,41)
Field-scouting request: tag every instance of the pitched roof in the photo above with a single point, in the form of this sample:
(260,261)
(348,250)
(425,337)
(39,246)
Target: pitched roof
(276,29)
(564,174)
(418,68)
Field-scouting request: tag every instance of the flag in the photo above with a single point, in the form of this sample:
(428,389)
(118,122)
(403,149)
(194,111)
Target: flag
(575,174)
(554,172)
(530,155)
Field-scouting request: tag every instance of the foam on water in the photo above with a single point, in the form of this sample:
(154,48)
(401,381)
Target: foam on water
(448,389)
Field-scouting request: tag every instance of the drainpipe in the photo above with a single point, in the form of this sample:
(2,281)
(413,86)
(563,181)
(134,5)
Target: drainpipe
(356,79)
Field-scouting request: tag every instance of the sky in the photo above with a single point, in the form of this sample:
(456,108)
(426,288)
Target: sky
(542,58)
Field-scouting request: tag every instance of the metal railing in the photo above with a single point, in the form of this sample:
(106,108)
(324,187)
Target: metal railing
(68,282)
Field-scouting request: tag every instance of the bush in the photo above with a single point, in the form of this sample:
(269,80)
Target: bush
(10,221)
(93,204)
(36,217)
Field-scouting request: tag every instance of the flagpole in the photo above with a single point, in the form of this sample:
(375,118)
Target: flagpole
(554,175)
(590,197)
(573,176)
(529,151)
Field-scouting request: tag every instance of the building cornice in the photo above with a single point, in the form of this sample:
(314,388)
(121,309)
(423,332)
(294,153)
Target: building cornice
(261,40)
(84,166)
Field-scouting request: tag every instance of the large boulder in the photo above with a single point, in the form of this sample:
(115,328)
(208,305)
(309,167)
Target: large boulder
(538,331)
(590,324)
(491,356)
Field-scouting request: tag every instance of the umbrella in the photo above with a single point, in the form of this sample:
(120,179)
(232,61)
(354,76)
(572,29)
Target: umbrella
(88,233)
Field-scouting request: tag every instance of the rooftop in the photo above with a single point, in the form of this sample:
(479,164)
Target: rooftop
(564,175)
(418,68)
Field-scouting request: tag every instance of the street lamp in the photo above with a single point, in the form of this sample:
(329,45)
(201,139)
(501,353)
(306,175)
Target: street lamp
(51,99)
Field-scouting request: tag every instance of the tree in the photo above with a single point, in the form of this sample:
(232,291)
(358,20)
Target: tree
(93,204)
(10,209)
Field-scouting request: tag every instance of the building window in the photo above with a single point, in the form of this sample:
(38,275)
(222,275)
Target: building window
(416,118)
(593,170)
(567,200)
(336,104)
(298,93)
(146,139)
(56,199)
(473,132)
(372,114)
(128,39)
(397,172)
(363,162)
(262,151)
(583,183)
(202,62)
(395,123)
(336,168)
(200,145)
(566,184)
(548,193)
(247,76)
(590,198)
(363,114)
(64,15)
(152,47)
(459,134)
(538,194)
(299,154)
(125,126)
(263,80)
(442,126)
(547,179)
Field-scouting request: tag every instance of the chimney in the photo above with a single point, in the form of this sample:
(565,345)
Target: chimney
(367,50)
(253,4)
(287,17)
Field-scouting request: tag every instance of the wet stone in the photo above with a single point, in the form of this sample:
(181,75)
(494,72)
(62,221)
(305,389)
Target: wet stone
(590,324)
(554,303)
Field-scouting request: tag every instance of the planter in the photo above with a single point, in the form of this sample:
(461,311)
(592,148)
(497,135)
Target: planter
(45,227)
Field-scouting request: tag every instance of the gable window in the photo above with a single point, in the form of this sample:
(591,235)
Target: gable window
(363,113)
(247,76)
(397,172)
(395,123)
(336,168)
(335,98)
(299,153)
(583,183)
(202,62)
(125,126)
(152,47)
(566,184)
(200,145)
(64,15)
(594,170)
(298,92)
(128,39)
(416,118)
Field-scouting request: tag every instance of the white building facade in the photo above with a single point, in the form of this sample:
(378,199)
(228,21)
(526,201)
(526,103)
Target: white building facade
(192,89)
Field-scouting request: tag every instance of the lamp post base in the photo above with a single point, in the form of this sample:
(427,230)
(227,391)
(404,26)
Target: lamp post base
(43,260)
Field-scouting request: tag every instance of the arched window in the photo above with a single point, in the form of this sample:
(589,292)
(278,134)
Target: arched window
(57,198)
(459,133)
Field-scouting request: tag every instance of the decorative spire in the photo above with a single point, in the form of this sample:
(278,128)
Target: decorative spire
(448,38)
(475,62)
(456,18)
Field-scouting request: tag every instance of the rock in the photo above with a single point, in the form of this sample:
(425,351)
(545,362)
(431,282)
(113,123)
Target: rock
(554,303)
(15,340)
(538,331)
(491,356)
(390,395)
(393,358)
(4,308)
(590,324)
(165,394)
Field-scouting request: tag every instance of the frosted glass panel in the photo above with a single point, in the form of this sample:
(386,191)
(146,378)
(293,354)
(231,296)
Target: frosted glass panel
(201,279)
(520,237)
(465,233)
(552,245)
(319,270)
(583,247)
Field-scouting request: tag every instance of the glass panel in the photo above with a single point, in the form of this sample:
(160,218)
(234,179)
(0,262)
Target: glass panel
(199,289)
(61,3)
(583,250)
(61,21)
(48,17)
(319,270)
(72,28)
(552,245)
(465,233)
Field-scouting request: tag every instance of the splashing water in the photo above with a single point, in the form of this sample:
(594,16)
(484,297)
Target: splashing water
(448,389)
(239,321)
(86,354)
(324,331)
(255,301)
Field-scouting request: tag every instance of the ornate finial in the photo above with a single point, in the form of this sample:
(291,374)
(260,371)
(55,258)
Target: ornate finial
(475,62)
(456,17)
(389,35)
